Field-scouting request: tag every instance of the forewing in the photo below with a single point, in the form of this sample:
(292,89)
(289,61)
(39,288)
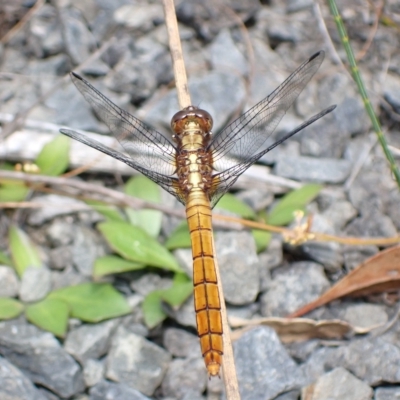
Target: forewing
(247,136)
(147,148)
(222,181)
(170,184)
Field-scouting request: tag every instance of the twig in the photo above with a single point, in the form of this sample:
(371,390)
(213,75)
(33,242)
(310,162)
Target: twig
(176,54)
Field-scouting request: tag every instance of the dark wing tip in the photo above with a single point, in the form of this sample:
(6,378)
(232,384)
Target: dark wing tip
(331,108)
(75,75)
(317,54)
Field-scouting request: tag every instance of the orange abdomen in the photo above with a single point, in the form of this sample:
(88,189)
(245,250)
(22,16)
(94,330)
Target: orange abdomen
(206,297)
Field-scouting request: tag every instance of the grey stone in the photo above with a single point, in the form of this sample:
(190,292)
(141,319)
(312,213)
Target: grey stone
(52,206)
(339,384)
(45,36)
(326,170)
(41,358)
(224,54)
(77,38)
(365,315)
(150,282)
(61,231)
(60,257)
(263,366)
(87,247)
(321,360)
(183,376)
(185,315)
(257,198)
(138,16)
(292,395)
(9,285)
(67,277)
(292,288)
(181,343)
(389,393)
(14,385)
(90,341)
(211,91)
(114,391)
(353,256)
(328,254)
(301,351)
(35,284)
(239,268)
(340,212)
(371,224)
(93,372)
(382,362)
(391,90)
(136,361)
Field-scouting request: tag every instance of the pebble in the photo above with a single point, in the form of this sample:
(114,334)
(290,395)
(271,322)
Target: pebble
(136,361)
(292,288)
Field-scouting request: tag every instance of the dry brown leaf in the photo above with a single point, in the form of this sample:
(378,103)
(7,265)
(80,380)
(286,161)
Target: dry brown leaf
(296,329)
(379,273)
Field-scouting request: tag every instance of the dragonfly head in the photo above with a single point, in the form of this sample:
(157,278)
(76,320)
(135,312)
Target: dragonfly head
(182,119)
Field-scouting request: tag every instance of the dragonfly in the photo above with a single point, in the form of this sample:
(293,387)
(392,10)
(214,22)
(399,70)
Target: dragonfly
(198,167)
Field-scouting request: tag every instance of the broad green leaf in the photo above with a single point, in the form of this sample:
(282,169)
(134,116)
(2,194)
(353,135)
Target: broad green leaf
(231,203)
(110,212)
(93,302)
(180,238)
(5,260)
(262,239)
(133,243)
(50,315)
(283,212)
(23,252)
(148,220)
(13,191)
(153,313)
(113,265)
(10,308)
(143,188)
(181,289)
(54,158)
(284,216)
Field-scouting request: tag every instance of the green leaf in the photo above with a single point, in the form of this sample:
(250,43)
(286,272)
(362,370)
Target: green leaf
(181,289)
(50,315)
(262,239)
(283,212)
(180,237)
(153,313)
(24,254)
(230,203)
(110,212)
(145,189)
(93,302)
(10,308)
(113,265)
(133,243)
(54,158)
(13,191)
(5,260)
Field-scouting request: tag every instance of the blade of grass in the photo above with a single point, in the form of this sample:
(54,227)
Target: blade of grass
(361,88)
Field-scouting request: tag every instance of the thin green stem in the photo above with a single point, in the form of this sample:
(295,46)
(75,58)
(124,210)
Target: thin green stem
(360,84)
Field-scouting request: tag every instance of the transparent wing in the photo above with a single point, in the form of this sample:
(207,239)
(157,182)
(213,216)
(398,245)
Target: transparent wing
(147,148)
(169,183)
(222,181)
(245,137)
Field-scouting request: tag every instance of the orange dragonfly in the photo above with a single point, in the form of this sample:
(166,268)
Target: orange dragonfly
(198,167)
